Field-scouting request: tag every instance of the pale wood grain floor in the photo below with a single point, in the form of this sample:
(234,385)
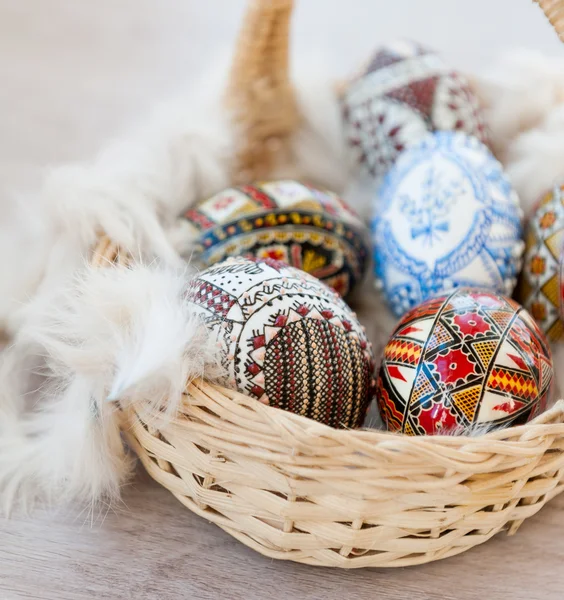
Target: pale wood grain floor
(71,74)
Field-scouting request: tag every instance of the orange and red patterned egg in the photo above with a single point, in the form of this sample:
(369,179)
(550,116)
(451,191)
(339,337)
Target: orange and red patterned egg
(303,226)
(287,339)
(472,358)
(540,288)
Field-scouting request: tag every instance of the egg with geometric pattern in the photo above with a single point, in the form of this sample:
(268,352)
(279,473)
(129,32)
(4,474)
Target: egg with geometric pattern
(541,288)
(304,226)
(470,358)
(287,339)
(403,93)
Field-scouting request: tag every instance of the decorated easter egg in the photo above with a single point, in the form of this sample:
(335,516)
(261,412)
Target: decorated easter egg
(447,218)
(305,227)
(404,92)
(287,339)
(470,358)
(541,284)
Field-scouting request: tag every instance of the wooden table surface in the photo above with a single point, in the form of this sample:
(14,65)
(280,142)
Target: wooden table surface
(73,73)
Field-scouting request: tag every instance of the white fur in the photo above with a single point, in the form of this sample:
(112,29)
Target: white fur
(111,336)
(523,93)
(132,191)
(135,189)
(319,151)
(535,159)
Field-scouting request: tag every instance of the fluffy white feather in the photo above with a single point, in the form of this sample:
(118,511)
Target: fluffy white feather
(112,336)
(523,93)
(319,151)
(535,159)
(518,90)
(26,239)
(135,189)
(132,191)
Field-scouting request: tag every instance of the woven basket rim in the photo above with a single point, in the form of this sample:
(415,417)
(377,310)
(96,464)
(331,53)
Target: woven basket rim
(551,421)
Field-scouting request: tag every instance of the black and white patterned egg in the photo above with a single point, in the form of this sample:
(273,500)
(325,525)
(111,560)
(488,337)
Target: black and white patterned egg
(287,339)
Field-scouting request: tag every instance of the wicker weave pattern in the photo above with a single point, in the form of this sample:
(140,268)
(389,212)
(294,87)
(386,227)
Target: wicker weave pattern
(295,489)
(554,11)
(260,96)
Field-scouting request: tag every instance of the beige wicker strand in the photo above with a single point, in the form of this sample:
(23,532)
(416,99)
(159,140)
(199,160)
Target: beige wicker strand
(259,94)
(554,11)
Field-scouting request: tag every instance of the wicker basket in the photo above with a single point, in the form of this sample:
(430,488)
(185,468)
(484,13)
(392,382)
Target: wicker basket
(298,490)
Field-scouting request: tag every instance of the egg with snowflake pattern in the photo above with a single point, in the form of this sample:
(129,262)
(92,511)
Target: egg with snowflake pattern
(470,358)
(541,288)
(287,339)
(447,217)
(303,226)
(404,92)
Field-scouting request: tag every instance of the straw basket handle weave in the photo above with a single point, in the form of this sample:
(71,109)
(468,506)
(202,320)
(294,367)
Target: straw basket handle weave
(259,94)
(554,11)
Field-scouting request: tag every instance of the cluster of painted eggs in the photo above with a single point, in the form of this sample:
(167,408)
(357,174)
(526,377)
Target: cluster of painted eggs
(445,214)
(447,252)
(277,257)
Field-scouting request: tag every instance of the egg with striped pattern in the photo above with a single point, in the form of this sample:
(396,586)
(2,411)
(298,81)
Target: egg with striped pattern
(286,339)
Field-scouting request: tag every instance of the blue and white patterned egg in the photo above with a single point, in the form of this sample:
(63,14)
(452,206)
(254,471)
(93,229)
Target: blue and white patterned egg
(447,218)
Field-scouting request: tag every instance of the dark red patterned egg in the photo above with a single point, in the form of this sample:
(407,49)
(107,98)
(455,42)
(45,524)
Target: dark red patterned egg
(469,358)
(287,339)
(405,92)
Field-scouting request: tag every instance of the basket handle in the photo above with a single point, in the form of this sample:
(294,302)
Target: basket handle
(554,11)
(259,93)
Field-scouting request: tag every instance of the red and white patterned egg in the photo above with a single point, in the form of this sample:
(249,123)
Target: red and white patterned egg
(405,92)
(287,339)
(470,358)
